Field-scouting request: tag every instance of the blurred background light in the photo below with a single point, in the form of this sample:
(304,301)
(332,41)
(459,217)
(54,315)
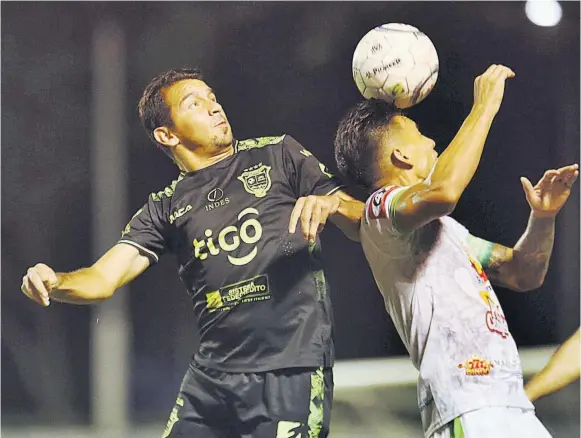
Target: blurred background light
(544,13)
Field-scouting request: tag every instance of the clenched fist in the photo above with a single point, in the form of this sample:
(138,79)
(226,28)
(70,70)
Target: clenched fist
(38,283)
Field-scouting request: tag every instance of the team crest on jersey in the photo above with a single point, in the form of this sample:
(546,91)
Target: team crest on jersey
(256,180)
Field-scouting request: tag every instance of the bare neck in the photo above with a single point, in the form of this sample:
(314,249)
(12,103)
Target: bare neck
(402,179)
(189,160)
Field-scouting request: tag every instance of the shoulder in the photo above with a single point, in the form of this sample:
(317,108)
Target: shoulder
(168,191)
(159,203)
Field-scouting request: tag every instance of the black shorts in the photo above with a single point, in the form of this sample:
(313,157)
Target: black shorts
(291,402)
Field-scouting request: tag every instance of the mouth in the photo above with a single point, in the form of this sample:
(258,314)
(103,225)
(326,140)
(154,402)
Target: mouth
(222,123)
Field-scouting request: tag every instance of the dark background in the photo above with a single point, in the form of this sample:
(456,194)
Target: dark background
(277,68)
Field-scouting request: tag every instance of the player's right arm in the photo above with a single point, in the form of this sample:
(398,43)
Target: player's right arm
(143,241)
(562,369)
(419,204)
(118,266)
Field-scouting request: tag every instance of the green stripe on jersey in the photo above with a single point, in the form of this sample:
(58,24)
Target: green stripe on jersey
(260,142)
(391,208)
(457,429)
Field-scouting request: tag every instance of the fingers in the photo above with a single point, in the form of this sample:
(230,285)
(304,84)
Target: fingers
(489,87)
(570,180)
(503,72)
(527,187)
(567,175)
(296,215)
(306,216)
(34,287)
(498,71)
(315,222)
(27,289)
(312,211)
(563,176)
(547,179)
(38,282)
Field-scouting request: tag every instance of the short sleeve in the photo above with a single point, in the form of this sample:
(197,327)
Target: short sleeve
(307,175)
(460,230)
(380,208)
(147,231)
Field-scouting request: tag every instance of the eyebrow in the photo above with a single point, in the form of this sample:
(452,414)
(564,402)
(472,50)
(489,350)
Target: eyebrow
(194,93)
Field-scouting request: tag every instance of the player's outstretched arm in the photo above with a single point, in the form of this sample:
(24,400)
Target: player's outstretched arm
(562,369)
(118,266)
(313,212)
(525,266)
(438,196)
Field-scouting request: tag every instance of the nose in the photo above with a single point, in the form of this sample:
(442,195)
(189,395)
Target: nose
(214,107)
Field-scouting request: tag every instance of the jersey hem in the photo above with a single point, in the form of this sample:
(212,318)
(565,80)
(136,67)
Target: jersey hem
(434,428)
(261,368)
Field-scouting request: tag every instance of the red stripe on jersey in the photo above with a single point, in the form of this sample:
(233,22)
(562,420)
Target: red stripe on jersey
(376,208)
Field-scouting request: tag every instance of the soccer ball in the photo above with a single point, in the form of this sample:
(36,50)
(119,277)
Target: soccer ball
(396,63)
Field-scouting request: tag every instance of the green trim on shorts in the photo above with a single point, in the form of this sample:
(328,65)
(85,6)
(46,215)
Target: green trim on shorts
(457,429)
(316,412)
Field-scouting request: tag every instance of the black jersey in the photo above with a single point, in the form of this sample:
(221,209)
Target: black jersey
(259,293)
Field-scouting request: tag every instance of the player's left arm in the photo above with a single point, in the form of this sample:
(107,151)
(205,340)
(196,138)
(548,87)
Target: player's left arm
(313,211)
(524,267)
(319,195)
(562,369)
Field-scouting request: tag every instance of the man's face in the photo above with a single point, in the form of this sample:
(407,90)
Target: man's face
(198,118)
(418,148)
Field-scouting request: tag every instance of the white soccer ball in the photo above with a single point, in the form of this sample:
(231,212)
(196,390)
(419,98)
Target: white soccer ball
(396,63)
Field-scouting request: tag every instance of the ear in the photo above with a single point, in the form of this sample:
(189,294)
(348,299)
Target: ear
(400,160)
(165,137)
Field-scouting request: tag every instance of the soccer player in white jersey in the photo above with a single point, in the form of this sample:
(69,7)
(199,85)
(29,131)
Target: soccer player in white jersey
(434,275)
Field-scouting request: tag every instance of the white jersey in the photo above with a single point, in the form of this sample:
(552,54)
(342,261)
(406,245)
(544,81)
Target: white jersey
(445,311)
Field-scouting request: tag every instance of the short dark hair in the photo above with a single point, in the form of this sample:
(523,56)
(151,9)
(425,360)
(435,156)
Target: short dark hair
(152,108)
(356,140)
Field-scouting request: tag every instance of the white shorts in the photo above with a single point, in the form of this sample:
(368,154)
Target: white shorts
(497,422)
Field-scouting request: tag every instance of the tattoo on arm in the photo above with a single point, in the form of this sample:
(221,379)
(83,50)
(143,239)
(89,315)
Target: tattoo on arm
(533,252)
(494,258)
(499,264)
(523,267)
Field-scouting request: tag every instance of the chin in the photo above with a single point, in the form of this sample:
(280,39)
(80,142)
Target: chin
(224,141)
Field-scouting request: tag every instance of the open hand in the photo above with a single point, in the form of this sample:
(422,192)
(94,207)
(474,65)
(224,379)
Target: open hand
(313,212)
(552,191)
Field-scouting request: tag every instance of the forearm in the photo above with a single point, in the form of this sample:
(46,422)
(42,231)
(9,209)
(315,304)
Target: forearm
(562,369)
(533,251)
(348,216)
(85,286)
(458,163)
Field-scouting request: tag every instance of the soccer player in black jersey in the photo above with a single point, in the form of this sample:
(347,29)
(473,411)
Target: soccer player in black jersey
(263,368)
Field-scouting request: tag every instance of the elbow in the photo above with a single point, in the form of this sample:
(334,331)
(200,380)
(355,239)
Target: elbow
(446,198)
(104,295)
(529,285)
